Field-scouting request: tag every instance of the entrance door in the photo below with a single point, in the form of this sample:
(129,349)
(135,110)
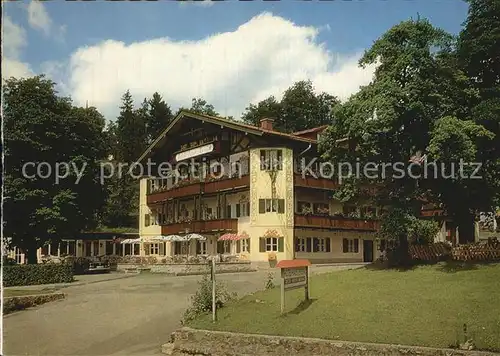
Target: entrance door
(367,251)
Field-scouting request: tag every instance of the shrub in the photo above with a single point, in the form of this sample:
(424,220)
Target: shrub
(201,302)
(24,275)
(11,304)
(270,282)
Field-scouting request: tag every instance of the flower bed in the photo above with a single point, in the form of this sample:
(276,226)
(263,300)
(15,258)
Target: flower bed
(181,269)
(12,304)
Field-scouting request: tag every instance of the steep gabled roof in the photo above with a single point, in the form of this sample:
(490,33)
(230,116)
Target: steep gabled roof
(223,122)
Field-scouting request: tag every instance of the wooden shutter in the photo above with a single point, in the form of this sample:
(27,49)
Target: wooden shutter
(281,206)
(238,246)
(238,210)
(198,247)
(262,206)
(262,244)
(308,244)
(146,220)
(281,243)
(147,249)
(344,245)
(327,245)
(248,209)
(356,245)
(248,245)
(162,249)
(315,244)
(297,244)
(228,211)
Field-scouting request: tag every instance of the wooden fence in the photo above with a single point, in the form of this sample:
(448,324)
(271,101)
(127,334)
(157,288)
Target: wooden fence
(476,252)
(433,252)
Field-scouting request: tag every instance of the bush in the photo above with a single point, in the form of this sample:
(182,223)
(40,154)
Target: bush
(201,302)
(25,275)
(12,304)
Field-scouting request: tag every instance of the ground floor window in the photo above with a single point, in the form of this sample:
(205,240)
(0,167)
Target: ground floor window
(245,245)
(201,247)
(109,248)
(128,249)
(181,248)
(271,244)
(350,245)
(300,245)
(313,244)
(137,249)
(224,247)
(154,249)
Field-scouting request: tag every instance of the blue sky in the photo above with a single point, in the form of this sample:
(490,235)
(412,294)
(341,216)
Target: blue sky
(73,41)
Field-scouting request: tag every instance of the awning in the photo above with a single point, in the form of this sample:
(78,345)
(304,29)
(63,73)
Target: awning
(228,237)
(131,241)
(196,237)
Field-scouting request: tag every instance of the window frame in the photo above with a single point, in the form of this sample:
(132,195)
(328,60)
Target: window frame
(271,243)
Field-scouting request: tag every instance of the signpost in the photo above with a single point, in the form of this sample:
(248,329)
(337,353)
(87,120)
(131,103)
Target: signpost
(213,289)
(294,274)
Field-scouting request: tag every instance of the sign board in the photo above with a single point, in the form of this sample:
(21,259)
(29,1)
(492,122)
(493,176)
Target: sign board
(295,277)
(194,152)
(294,274)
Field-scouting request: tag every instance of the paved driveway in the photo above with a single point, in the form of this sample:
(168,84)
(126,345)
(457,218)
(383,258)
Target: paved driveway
(120,317)
(131,316)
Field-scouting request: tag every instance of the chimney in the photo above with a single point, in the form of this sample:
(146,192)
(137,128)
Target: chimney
(266,124)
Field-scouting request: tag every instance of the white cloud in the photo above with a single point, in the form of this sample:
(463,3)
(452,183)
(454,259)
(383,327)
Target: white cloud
(260,58)
(14,40)
(38,17)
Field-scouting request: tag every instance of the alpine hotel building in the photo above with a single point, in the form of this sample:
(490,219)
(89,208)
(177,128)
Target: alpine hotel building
(253,202)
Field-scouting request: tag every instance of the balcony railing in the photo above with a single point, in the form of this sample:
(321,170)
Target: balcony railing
(335,222)
(312,182)
(197,187)
(200,226)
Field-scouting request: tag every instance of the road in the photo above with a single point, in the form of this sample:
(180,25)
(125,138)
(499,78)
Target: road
(131,316)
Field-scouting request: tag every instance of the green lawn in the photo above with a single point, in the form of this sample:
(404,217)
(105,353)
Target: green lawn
(22,292)
(425,306)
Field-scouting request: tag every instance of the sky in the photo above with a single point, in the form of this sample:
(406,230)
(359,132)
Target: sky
(230,53)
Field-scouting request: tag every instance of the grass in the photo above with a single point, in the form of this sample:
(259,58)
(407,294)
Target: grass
(426,306)
(22,292)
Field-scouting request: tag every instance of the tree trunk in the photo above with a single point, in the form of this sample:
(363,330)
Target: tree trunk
(403,251)
(31,256)
(466,229)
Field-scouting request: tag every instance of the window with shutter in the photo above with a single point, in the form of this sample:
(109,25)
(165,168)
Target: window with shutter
(262,244)
(281,206)
(262,206)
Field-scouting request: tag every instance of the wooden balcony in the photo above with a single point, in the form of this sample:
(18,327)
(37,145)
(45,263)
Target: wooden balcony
(311,182)
(333,222)
(226,184)
(201,226)
(195,188)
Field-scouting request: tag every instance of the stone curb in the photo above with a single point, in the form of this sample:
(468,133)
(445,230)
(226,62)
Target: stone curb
(189,341)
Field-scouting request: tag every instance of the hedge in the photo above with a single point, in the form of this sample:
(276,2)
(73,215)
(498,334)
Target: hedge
(25,275)
(12,304)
